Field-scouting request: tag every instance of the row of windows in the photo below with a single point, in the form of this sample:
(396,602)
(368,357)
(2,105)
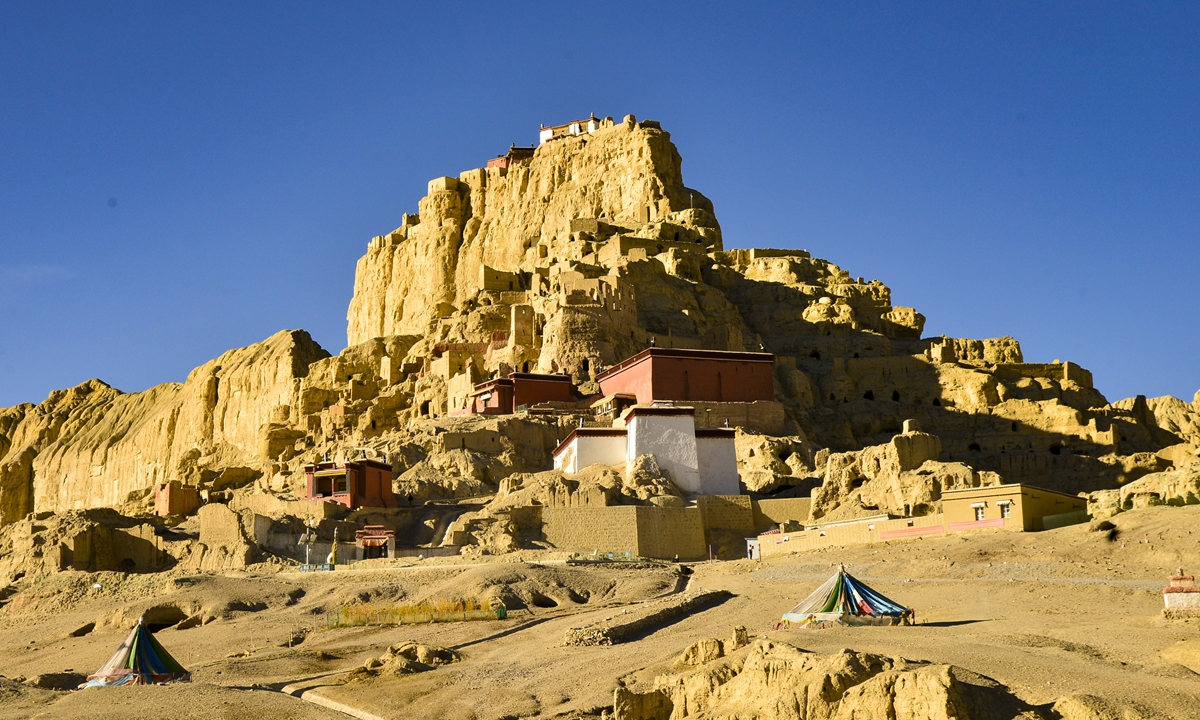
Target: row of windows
(1005,511)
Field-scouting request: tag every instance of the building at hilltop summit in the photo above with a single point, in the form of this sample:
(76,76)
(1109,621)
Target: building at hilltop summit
(701,461)
(355,483)
(572,129)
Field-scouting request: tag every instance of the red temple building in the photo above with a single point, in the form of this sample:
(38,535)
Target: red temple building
(355,484)
(515,153)
(503,396)
(700,375)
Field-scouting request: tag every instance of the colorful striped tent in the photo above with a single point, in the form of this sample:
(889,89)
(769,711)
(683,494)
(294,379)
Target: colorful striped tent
(844,600)
(140,660)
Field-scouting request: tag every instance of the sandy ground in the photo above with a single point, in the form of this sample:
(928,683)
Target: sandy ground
(1046,614)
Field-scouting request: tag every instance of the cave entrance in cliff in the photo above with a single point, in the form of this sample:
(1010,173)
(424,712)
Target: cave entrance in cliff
(161,617)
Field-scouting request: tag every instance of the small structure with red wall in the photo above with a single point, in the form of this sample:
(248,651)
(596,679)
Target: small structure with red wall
(503,396)
(374,541)
(700,375)
(355,484)
(175,498)
(515,154)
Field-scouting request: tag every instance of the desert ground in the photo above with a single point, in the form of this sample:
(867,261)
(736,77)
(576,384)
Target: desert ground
(1048,614)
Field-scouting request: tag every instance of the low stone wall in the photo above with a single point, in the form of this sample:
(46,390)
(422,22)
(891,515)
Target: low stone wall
(773,512)
(761,416)
(642,531)
(608,529)
(667,533)
(272,507)
(861,533)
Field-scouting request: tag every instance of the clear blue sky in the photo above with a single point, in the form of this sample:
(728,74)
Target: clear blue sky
(178,179)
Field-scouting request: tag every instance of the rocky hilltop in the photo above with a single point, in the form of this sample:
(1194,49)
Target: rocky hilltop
(569,259)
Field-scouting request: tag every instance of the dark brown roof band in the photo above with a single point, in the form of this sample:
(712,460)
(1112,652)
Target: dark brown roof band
(494,383)
(539,376)
(349,463)
(716,432)
(661,411)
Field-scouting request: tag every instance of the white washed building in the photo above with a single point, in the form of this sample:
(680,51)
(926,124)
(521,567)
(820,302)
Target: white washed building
(702,461)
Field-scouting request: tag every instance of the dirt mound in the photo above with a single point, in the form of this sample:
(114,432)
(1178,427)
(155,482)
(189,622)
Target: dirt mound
(19,700)
(404,659)
(1089,707)
(521,585)
(776,681)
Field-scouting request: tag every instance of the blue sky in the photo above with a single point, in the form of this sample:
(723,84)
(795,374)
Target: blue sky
(177,179)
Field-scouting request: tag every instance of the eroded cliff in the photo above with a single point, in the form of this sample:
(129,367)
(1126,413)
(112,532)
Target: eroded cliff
(570,259)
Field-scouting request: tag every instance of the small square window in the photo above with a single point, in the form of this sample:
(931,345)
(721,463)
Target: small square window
(1005,510)
(978,513)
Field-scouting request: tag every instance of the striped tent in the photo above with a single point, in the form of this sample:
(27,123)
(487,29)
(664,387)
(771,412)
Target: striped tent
(845,600)
(140,660)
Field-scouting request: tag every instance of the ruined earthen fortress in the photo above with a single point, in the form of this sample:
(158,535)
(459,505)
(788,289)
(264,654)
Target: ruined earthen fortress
(570,258)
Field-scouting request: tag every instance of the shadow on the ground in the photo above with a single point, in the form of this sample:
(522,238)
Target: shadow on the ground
(952,623)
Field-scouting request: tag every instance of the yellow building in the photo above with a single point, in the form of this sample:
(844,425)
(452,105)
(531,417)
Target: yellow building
(1013,507)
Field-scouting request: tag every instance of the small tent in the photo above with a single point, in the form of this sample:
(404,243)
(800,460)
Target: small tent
(140,660)
(845,600)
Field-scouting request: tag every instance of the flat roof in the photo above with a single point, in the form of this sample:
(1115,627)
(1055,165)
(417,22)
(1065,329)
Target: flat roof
(329,466)
(656,352)
(1007,488)
(489,384)
(645,410)
(587,432)
(539,377)
(716,432)
(609,398)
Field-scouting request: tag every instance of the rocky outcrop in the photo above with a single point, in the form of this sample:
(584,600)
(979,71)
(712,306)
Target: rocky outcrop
(776,681)
(902,477)
(486,229)
(94,446)
(1180,486)
(86,540)
(1179,420)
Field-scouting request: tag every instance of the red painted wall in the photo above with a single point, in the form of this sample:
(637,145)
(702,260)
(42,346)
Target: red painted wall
(368,485)
(530,390)
(500,403)
(373,487)
(689,378)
